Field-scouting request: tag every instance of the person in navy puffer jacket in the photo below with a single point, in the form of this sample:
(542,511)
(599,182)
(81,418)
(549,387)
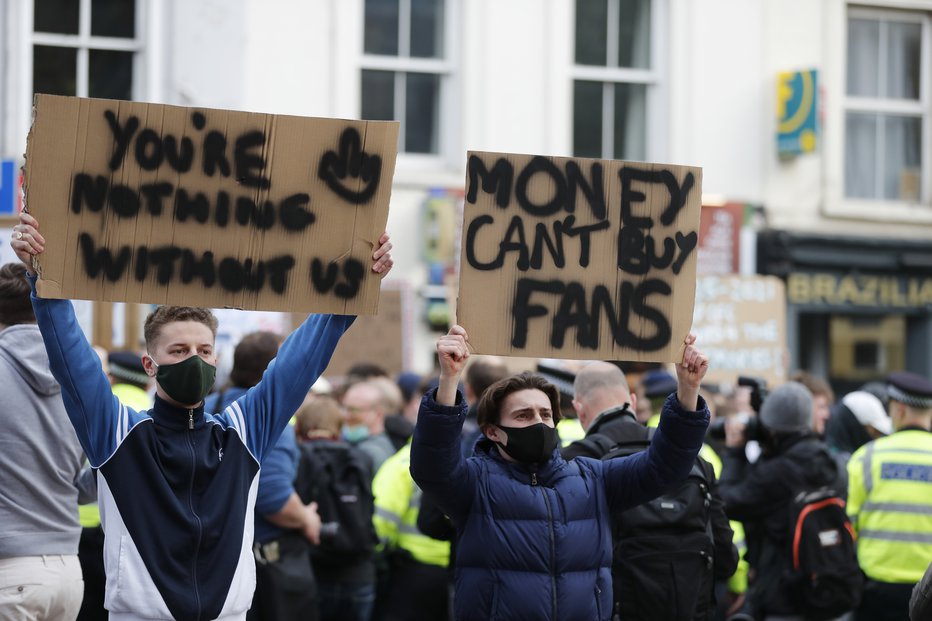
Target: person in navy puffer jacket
(533,532)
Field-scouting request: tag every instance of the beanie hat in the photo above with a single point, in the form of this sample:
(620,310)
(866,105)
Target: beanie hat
(788,408)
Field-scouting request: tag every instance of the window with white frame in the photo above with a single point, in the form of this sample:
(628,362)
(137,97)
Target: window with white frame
(614,72)
(405,68)
(87,48)
(887,106)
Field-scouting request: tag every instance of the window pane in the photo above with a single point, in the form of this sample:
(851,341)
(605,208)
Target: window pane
(378,95)
(54,70)
(860,155)
(630,122)
(427,28)
(902,158)
(902,71)
(587,119)
(59,16)
(422,99)
(863,53)
(634,34)
(591,19)
(111,74)
(381,27)
(113,18)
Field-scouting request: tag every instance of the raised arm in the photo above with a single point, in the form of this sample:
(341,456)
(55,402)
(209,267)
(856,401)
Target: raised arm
(673,448)
(437,462)
(99,420)
(266,408)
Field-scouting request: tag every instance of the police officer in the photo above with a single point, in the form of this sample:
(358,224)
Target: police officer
(890,501)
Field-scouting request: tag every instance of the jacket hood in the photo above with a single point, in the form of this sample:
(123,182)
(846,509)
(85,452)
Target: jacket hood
(22,347)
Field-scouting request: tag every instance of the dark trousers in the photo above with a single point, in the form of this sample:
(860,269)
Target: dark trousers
(285,585)
(91,556)
(884,601)
(416,592)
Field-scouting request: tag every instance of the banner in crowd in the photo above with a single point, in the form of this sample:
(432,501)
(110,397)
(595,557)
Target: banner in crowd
(740,322)
(578,258)
(170,205)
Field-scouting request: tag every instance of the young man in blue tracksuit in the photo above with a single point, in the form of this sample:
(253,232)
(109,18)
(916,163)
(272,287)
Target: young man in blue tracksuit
(534,539)
(177,485)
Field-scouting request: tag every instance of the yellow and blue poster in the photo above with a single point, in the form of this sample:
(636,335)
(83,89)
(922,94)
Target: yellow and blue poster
(797,112)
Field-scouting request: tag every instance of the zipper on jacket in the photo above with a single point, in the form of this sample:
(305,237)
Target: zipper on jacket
(553,550)
(197,519)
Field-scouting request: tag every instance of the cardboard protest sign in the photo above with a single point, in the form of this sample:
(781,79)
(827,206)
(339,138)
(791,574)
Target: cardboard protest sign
(578,258)
(740,323)
(169,205)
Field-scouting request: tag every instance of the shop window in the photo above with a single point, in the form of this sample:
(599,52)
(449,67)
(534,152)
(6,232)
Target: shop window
(406,69)
(614,74)
(866,347)
(886,106)
(87,48)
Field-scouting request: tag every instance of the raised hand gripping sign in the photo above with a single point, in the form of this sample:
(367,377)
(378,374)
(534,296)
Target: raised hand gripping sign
(163,204)
(578,258)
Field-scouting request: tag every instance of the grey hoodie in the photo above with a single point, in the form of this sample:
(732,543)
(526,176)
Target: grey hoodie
(40,458)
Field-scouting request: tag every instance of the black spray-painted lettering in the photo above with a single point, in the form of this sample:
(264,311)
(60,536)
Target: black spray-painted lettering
(95,194)
(567,184)
(629,196)
(97,260)
(530,256)
(497,181)
(585,314)
(349,167)
(168,263)
(151,150)
(324,277)
(638,254)
(250,165)
(545,165)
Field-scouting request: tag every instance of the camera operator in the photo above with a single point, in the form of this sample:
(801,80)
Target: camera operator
(793,459)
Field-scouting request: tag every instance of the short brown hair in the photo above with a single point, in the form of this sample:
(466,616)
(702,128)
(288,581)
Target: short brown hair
(252,355)
(489,410)
(164,315)
(319,414)
(816,385)
(15,305)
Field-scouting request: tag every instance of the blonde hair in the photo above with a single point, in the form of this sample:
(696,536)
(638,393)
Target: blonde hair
(318,416)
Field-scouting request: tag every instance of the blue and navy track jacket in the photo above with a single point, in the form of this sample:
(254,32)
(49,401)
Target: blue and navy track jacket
(177,488)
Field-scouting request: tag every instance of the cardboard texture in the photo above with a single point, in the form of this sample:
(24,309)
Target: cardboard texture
(740,323)
(378,338)
(197,207)
(577,258)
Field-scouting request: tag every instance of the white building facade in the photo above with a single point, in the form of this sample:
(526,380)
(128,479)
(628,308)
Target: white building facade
(680,81)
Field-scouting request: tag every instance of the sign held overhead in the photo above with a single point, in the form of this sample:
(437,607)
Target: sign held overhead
(169,205)
(578,258)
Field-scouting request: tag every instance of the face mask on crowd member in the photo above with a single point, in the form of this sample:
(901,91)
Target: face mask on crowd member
(362,412)
(180,354)
(519,414)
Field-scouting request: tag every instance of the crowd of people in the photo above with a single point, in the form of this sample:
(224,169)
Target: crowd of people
(479,492)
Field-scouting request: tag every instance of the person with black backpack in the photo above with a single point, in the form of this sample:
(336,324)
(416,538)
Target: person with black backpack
(667,552)
(791,501)
(337,476)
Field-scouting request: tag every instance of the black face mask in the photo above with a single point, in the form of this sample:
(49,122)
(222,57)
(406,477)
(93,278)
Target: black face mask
(188,381)
(530,445)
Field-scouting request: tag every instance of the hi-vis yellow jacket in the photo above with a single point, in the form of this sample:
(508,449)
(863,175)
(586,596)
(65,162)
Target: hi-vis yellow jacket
(890,505)
(397,502)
